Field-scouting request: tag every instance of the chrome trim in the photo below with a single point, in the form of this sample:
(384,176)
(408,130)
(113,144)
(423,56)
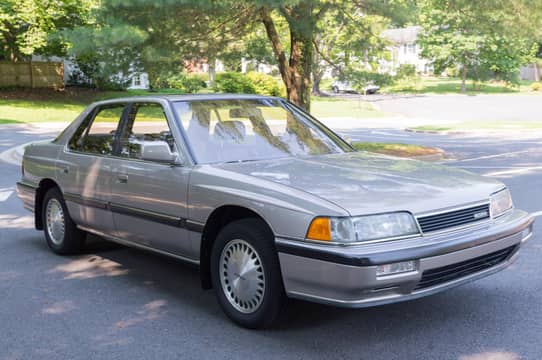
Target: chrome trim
(148,215)
(343,244)
(26,186)
(452,209)
(67,150)
(458,228)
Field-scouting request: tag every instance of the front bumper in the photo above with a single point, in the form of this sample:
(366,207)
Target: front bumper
(346,275)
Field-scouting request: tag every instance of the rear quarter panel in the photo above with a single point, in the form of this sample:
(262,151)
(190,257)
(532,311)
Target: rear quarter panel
(40,162)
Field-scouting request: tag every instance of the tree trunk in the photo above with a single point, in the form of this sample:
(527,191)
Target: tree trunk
(301,58)
(212,70)
(464,78)
(536,71)
(31,72)
(316,79)
(295,71)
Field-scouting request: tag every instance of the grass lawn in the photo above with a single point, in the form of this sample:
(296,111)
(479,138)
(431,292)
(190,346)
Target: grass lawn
(50,106)
(438,85)
(327,107)
(482,125)
(402,150)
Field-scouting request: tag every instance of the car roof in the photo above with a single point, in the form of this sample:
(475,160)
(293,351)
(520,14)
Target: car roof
(188,97)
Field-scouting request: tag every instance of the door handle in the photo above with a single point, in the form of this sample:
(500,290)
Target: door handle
(122,179)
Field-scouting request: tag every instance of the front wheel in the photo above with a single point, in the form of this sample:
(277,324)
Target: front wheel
(246,274)
(61,233)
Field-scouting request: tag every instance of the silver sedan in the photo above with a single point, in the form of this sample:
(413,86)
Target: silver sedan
(268,202)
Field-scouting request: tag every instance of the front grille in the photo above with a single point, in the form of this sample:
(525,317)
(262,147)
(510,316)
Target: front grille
(455,271)
(453,218)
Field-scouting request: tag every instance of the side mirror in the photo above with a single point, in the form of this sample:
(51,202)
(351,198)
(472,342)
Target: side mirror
(158,151)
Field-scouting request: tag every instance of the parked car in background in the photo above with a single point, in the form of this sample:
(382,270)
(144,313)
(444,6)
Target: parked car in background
(346,87)
(268,202)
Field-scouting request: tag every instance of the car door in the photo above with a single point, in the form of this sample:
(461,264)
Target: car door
(149,198)
(84,168)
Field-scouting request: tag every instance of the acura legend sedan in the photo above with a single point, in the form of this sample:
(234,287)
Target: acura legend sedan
(268,202)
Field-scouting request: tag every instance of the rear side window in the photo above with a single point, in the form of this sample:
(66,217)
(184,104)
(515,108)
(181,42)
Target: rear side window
(97,133)
(146,122)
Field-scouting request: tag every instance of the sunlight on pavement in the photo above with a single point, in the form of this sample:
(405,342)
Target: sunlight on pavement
(59,307)
(491,355)
(151,311)
(16,222)
(89,267)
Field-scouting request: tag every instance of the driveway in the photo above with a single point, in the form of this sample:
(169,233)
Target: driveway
(454,108)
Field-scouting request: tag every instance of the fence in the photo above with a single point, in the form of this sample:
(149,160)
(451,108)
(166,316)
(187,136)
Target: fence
(530,72)
(32,74)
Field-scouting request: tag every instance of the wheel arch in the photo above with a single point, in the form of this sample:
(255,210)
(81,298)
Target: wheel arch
(219,218)
(43,187)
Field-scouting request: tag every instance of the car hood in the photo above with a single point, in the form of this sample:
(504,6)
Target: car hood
(364,183)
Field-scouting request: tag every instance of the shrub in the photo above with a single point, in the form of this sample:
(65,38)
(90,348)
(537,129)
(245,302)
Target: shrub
(266,84)
(361,79)
(406,71)
(233,82)
(536,86)
(188,83)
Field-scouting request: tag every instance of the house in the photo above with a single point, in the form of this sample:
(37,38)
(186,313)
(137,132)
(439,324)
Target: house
(404,50)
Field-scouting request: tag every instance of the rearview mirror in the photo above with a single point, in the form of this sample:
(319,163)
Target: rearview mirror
(158,151)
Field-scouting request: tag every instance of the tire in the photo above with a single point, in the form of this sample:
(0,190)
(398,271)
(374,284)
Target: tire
(61,233)
(242,296)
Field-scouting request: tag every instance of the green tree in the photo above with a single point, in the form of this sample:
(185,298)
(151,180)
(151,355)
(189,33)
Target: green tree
(209,29)
(27,26)
(481,37)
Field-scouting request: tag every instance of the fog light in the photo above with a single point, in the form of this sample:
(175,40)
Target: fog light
(395,268)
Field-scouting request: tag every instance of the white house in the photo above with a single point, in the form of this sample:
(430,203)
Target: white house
(404,49)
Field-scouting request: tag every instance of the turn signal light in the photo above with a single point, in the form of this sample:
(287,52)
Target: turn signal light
(320,229)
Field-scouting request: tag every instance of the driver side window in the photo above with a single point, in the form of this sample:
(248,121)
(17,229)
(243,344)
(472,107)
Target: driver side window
(146,125)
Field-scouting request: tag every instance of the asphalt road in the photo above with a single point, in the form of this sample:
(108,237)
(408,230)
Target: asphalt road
(459,107)
(117,303)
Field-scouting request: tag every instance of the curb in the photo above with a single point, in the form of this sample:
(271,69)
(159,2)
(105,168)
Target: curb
(438,156)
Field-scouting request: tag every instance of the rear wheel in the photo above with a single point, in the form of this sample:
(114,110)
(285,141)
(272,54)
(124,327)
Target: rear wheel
(61,233)
(246,274)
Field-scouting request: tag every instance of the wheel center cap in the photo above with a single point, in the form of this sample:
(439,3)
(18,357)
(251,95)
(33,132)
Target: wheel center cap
(239,276)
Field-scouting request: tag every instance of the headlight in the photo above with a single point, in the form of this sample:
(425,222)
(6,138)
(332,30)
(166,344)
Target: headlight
(362,228)
(501,202)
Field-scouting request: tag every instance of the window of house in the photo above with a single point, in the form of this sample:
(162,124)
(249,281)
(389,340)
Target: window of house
(136,80)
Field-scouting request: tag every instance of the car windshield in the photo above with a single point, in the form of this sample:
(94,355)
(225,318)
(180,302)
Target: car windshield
(252,129)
